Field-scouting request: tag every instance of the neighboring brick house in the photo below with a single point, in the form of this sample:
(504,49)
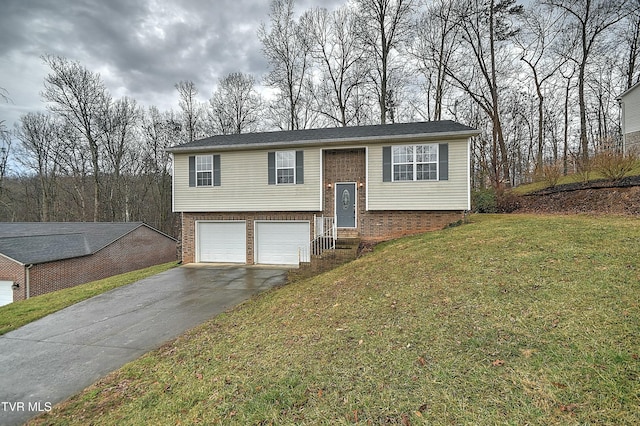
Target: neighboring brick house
(37,258)
(269,198)
(630,104)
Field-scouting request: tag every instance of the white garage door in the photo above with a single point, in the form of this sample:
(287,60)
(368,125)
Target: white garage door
(222,242)
(282,243)
(6,292)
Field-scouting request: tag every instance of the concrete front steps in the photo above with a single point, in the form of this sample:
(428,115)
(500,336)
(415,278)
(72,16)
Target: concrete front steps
(346,250)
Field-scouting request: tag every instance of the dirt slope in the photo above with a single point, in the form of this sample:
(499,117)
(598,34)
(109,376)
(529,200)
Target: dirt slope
(599,197)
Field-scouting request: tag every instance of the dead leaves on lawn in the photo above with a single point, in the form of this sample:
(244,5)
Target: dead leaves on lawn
(569,408)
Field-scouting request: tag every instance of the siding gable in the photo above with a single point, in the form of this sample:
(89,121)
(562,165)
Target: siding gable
(245,184)
(449,192)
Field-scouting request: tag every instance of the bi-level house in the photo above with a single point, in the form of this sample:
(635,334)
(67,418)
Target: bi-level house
(277,197)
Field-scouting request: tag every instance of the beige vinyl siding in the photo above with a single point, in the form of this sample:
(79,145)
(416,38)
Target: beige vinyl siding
(451,194)
(632,110)
(244,185)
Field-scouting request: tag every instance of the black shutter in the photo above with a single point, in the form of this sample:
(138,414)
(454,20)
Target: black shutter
(192,171)
(443,161)
(386,164)
(299,166)
(271,164)
(216,170)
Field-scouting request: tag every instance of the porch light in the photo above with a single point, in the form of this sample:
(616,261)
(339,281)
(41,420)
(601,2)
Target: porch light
(15,286)
(361,184)
(329,185)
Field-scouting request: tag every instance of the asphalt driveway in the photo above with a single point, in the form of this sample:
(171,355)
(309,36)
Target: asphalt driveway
(55,357)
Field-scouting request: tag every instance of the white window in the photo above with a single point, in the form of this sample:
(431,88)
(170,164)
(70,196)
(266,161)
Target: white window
(285,167)
(415,162)
(204,170)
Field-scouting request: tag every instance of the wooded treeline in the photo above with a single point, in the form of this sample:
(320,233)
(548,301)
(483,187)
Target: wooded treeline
(540,80)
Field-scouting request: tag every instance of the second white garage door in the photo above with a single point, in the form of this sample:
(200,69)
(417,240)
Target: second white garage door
(281,243)
(222,241)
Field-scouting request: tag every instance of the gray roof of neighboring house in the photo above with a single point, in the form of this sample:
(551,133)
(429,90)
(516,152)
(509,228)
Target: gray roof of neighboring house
(333,135)
(40,242)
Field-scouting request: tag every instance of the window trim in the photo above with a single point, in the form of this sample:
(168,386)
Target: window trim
(414,163)
(198,170)
(215,170)
(292,167)
(298,167)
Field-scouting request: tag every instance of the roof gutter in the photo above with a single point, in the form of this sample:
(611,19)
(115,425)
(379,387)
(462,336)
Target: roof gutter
(321,142)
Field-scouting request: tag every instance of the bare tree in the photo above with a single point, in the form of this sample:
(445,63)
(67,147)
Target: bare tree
(5,150)
(159,132)
(631,35)
(78,96)
(484,26)
(40,146)
(75,170)
(118,124)
(287,52)
(540,35)
(235,105)
(435,42)
(384,25)
(5,141)
(589,20)
(190,109)
(4,95)
(336,52)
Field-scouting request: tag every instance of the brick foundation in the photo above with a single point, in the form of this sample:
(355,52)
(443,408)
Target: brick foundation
(189,228)
(10,270)
(632,143)
(387,225)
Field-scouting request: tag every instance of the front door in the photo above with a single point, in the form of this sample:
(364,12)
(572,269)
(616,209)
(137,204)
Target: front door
(346,205)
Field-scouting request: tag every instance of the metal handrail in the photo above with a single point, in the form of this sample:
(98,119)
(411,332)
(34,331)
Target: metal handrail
(325,235)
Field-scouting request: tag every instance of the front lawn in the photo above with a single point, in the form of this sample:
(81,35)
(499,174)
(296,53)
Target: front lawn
(506,320)
(19,313)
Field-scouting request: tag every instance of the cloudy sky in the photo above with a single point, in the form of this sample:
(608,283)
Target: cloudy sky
(140,48)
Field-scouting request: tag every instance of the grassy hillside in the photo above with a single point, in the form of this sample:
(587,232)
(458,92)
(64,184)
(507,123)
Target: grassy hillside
(510,319)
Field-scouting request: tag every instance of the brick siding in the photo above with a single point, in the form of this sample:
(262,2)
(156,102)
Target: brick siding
(349,165)
(139,249)
(189,228)
(11,270)
(632,143)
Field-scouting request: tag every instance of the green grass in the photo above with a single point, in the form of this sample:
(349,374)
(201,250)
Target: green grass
(507,320)
(19,313)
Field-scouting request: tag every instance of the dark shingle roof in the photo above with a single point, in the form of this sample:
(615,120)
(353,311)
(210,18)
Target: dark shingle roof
(35,242)
(330,135)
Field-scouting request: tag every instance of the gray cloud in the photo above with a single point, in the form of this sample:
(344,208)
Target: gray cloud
(141,48)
